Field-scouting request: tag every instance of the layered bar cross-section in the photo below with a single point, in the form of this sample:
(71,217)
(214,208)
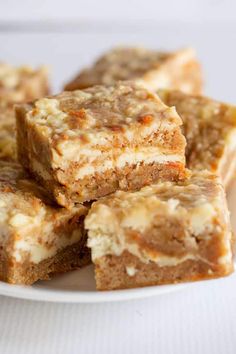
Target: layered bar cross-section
(164,233)
(84,144)
(37,238)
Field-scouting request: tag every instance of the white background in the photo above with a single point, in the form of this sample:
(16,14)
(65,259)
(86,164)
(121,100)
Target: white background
(67,35)
(168,10)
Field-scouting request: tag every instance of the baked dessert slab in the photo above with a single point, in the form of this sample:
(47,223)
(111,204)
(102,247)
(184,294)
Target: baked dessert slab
(164,233)
(176,70)
(37,238)
(7,134)
(22,84)
(85,144)
(17,84)
(210,130)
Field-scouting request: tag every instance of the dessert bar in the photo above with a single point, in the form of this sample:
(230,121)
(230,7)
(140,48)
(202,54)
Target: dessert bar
(37,238)
(7,134)
(84,144)
(165,233)
(17,85)
(20,84)
(178,70)
(210,130)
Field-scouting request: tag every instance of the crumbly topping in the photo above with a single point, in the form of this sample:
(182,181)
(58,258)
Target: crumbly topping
(193,193)
(89,114)
(209,127)
(18,84)
(123,64)
(11,76)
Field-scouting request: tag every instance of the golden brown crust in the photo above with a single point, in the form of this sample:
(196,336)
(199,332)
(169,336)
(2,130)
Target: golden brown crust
(179,70)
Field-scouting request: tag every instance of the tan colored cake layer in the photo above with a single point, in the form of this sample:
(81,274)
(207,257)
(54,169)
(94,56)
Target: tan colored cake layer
(167,232)
(71,141)
(101,184)
(33,229)
(177,70)
(127,271)
(210,130)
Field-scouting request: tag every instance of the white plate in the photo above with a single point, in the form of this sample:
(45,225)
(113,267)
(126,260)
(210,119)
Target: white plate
(79,286)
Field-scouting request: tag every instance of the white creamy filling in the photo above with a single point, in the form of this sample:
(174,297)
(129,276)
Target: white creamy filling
(131,271)
(129,158)
(71,149)
(201,218)
(109,238)
(138,218)
(103,245)
(39,251)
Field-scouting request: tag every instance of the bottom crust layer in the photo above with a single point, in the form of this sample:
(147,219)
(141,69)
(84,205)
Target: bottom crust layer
(71,257)
(111,272)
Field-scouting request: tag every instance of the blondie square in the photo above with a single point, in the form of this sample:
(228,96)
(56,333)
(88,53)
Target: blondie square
(164,233)
(178,70)
(37,238)
(84,144)
(7,134)
(21,84)
(17,85)
(210,130)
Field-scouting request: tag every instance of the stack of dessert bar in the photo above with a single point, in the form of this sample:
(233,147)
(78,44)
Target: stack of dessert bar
(130,163)
(37,237)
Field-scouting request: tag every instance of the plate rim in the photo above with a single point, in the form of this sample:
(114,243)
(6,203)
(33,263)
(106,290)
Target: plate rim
(69,296)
